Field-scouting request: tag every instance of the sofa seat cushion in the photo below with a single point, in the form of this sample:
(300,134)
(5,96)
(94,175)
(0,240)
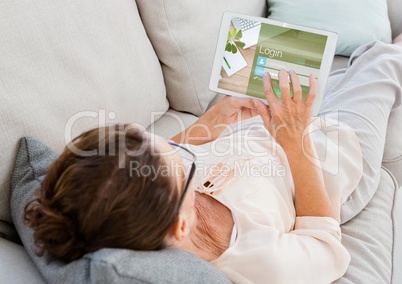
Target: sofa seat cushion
(394,11)
(69,66)
(107,265)
(171,123)
(339,62)
(369,237)
(397,253)
(392,159)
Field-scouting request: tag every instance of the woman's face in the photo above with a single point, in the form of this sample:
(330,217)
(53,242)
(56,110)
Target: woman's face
(179,172)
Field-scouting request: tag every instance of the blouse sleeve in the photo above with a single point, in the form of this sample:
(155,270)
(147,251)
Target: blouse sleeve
(312,252)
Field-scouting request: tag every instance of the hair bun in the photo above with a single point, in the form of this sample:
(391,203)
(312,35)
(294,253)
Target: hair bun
(54,233)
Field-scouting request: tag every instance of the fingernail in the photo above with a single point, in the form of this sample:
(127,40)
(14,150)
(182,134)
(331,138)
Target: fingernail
(266,75)
(255,104)
(291,71)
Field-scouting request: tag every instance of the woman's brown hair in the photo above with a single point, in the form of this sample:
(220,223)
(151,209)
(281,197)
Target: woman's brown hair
(92,199)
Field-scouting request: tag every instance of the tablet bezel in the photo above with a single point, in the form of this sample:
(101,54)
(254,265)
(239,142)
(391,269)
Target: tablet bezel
(326,63)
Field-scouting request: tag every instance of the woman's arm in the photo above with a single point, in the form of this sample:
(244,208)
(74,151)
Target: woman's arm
(287,120)
(209,126)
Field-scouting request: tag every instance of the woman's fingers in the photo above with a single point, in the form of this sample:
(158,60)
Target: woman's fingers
(264,112)
(284,86)
(237,103)
(286,119)
(312,91)
(268,91)
(231,109)
(297,90)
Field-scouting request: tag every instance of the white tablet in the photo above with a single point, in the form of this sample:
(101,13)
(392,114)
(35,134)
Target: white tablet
(250,46)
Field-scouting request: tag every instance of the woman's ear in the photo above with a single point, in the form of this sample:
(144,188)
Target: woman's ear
(181,228)
(178,232)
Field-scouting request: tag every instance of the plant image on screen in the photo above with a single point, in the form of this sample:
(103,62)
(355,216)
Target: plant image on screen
(233,41)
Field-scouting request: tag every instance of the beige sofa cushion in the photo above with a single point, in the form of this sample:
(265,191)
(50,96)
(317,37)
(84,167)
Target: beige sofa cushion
(82,63)
(392,159)
(370,237)
(394,12)
(184,35)
(171,123)
(16,266)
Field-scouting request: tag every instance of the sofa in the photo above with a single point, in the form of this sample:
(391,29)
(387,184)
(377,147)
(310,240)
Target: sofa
(67,66)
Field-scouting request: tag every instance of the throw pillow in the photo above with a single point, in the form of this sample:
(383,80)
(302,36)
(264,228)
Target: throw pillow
(356,22)
(107,265)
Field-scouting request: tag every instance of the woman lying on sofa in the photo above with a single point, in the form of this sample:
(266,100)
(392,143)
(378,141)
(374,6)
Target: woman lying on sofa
(121,187)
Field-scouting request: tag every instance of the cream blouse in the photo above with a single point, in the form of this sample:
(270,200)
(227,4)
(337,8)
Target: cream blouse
(246,170)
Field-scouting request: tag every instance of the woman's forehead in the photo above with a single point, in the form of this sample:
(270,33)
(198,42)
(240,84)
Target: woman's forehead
(161,146)
(170,157)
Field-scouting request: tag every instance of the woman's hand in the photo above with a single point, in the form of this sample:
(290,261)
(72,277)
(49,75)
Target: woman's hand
(287,118)
(231,110)
(226,111)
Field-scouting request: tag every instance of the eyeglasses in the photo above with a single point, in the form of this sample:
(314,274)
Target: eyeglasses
(188,159)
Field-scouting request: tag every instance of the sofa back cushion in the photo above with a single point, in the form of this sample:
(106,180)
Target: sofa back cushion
(66,66)
(184,35)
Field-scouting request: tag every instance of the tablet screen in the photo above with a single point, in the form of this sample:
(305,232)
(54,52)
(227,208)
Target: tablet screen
(253,48)
(250,46)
